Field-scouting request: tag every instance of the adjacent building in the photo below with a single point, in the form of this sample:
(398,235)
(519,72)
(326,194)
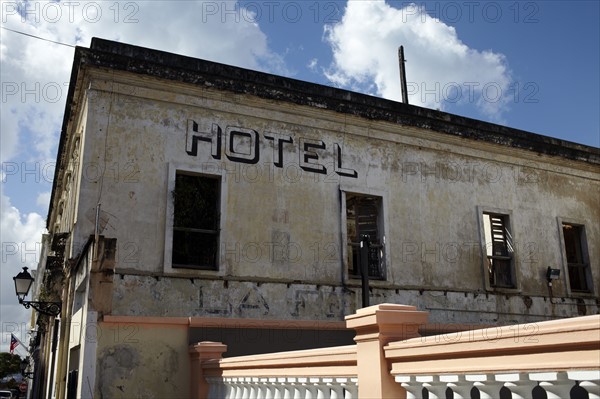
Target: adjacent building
(198,201)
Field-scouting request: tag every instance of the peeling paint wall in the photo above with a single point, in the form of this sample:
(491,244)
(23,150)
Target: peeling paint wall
(281,251)
(142,361)
(288,154)
(287,161)
(239,299)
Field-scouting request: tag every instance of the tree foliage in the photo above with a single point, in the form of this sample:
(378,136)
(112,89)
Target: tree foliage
(9,364)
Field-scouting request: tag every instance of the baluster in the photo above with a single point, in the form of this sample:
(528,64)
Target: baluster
(245,388)
(321,389)
(301,389)
(556,385)
(460,387)
(413,388)
(349,387)
(307,388)
(592,388)
(282,391)
(488,387)
(353,388)
(237,388)
(231,389)
(288,390)
(518,384)
(293,388)
(253,387)
(588,380)
(271,389)
(436,388)
(279,388)
(335,389)
(264,390)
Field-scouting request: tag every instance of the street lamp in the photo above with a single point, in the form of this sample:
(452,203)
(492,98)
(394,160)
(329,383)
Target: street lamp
(552,274)
(24,365)
(23,282)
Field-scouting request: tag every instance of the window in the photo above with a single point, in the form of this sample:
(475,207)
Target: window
(499,250)
(576,255)
(363,217)
(195,222)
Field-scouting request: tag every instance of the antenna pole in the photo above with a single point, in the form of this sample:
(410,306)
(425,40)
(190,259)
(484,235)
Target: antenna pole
(403,75)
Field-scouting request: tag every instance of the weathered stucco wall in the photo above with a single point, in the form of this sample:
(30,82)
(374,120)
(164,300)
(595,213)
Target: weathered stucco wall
(142,361)
(281,225)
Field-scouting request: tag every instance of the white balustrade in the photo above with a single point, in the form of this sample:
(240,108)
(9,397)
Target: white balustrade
(282,388)
(558,385)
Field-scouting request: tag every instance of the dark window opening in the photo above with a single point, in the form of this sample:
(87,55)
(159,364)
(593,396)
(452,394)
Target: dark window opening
(576,257)
(195,222)
(363,216)
(499,251)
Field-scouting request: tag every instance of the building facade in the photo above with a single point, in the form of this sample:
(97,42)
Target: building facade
(197,201)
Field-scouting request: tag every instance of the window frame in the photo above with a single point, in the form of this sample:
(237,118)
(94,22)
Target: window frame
(383,230)
(584,254)
(194,170)
(514,261)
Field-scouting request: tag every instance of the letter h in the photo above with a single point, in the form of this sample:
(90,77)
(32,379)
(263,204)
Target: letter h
(193,135)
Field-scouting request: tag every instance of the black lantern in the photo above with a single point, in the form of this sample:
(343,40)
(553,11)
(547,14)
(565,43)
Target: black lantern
(23,282)
(552,274)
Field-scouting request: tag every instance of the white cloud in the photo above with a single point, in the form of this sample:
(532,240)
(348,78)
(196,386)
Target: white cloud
(21,236)
(20,247)
(35,73)
(441,69)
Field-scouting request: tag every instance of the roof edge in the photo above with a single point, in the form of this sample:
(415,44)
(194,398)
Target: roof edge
(160,64)
(186,69)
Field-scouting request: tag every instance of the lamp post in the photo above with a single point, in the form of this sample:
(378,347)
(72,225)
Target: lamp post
(23,282)
(364,268)
(24,366)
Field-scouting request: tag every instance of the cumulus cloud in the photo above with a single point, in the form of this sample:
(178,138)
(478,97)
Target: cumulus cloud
(20,247)
(441,69)
(35,73)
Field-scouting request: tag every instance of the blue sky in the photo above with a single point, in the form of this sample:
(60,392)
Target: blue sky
(529,65)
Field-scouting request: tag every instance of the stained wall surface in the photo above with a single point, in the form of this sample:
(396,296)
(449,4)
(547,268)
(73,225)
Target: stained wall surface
(285,171)
(290,160)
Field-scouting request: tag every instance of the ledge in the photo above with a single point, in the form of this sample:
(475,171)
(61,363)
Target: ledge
(565,344)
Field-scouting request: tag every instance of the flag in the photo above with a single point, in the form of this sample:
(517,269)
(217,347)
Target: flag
(14,342)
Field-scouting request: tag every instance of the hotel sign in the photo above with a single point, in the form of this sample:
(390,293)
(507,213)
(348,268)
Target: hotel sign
(243,145)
